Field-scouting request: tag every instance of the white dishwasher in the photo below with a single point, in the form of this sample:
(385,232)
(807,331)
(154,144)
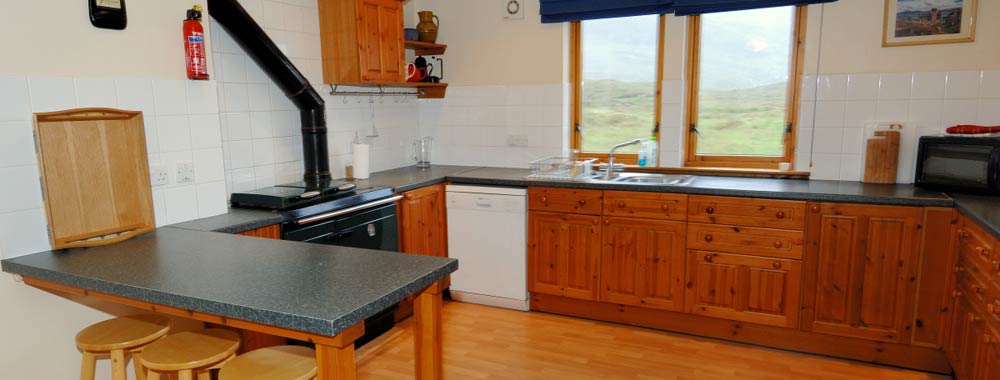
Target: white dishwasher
(487,234)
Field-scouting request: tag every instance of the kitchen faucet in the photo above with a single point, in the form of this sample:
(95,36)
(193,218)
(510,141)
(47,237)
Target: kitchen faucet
(611,155)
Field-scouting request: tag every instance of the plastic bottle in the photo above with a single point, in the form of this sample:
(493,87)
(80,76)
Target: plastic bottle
(643,154)
(651,152)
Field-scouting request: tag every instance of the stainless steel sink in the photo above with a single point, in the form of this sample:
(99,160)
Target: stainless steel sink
(646,178)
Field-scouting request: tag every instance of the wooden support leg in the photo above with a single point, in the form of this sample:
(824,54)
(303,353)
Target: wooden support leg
(427,334)
(87,366)
(185,374)
(118,365)
(335,359)
(140,371)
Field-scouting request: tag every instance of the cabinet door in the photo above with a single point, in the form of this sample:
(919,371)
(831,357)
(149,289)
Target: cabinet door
(642,263)
(965,339)
(989,367)
(744,288)
(423,226)
(564,252)
(862,260)
(380,27)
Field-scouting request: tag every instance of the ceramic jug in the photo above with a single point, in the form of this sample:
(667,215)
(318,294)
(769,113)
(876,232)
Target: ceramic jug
(427,29)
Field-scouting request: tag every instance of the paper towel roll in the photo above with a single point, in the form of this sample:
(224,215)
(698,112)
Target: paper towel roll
(362,161)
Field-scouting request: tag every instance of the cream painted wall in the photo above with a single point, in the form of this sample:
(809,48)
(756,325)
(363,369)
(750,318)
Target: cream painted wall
(55,38)
(484,49)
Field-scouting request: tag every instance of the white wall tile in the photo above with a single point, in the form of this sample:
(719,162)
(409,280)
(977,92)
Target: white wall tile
(825,166)
(808,88)
(211,199)
(989,112)
(152,137)
(853,141)
(17,146)
(21,188)
(173,133)
(52,93)
(181,204)
(274,15)
(928,85)
(830,114)
(235,97)
(957,112)
(159,208)
(895,86)
(208,165)
(205,131)
(202,97)
(241,154)
(828,140)
(233,68)
(990,88)
(850,167)
(96,92)
(925,113)
(14,98)
(263,152)
(859,113)
(891,111)
(23,232)
(260,125)
(136,95)
(832,87)
(170,97)
(237,125)
(863,87)
(263,176)
(963,84)
(258,97)
(242,180)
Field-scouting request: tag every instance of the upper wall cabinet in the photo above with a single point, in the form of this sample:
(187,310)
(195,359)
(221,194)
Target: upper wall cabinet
(362,41)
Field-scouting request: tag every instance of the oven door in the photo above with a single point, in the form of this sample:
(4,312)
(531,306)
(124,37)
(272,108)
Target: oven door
(375,228)
(965,168)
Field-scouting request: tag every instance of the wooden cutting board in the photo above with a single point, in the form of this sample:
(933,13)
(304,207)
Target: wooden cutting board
(882,157)
(95,176)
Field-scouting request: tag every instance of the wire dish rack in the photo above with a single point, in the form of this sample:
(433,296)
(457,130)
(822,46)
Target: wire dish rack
(561,168)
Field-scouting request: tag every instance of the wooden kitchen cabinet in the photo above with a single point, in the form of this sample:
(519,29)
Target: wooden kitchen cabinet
(642,263)
(743,288)
(861,265)
(989,367)
(564,252)
(268,232)
(423,221)
(362,41)
(965,339)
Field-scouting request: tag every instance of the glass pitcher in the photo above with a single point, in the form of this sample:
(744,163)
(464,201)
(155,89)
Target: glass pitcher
(422,151)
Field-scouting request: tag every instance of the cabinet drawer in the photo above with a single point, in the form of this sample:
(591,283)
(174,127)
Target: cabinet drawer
(972,282)
(768,242)
(574,201)
(645,205)
(977,248)
(747,212)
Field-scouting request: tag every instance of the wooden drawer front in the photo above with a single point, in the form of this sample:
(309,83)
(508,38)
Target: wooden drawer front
(969,284)
(743,288)
(978,249)
(747,212)
(564,200)
(645,205)
(768,242)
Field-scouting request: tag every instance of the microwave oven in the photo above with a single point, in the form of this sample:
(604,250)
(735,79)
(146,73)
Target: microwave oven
(959,164)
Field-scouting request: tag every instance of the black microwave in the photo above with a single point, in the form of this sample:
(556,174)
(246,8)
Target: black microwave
(959,164)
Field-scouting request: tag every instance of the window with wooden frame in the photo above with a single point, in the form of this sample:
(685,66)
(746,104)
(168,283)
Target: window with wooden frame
(616,74)
(743,75)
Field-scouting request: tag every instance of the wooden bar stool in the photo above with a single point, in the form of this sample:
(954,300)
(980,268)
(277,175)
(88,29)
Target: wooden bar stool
(272,363)
(117,338)
(189,353)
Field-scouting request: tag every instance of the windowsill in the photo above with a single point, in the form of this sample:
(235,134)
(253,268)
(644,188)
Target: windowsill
(727,172)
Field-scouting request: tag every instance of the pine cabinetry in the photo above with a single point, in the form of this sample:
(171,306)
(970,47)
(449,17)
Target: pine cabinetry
(971,342)
(642,263)
(423,221)
(564,253)
(861,270)
(362,41)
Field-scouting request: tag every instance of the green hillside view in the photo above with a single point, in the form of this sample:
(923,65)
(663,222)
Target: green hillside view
(741,121)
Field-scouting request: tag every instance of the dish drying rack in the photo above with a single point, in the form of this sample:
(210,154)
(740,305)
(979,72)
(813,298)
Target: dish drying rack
(561,168)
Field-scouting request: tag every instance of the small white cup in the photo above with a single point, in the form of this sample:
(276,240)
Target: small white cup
(785,166)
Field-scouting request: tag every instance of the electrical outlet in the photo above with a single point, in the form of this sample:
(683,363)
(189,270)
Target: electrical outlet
(520,141)
(158,175)
(185,172)
(513,9)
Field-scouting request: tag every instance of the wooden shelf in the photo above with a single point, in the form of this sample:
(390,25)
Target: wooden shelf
(430,90)
(424,48)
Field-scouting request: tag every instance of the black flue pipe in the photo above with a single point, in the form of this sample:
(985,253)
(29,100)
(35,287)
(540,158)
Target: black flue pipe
(255,42)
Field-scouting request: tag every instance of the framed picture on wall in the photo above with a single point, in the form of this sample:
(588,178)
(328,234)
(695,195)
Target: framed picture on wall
(921,22)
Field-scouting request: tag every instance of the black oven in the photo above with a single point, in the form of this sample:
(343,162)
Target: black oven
(959,164)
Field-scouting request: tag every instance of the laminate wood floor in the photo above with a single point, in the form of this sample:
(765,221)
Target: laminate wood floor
(489,343)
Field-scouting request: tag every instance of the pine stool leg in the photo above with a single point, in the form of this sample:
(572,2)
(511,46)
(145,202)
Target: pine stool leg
(118,365)
(87,366)
(140,371)
(185,374)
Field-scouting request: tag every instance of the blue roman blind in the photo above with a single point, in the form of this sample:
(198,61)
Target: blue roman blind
(697,7)
(578,10)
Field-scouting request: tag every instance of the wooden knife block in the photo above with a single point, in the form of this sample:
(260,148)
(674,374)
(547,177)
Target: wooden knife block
(882,157)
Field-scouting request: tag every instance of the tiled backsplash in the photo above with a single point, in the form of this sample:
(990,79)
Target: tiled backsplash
(847,107)
(182,125)
(262,142)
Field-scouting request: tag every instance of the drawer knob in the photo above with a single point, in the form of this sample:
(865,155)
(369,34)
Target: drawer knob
(776,265)
(708,238)
(779,215)
(980,290)
(664,207)
(996,266)
(974,318)
(959,269)
(956,294)
(545,199)
(814,208)
(582,202)
(778,244)
(991,308)
(621,204)
(708,258)
(596,222)
(607,222)
(982,251)
(710,210)
(988,339)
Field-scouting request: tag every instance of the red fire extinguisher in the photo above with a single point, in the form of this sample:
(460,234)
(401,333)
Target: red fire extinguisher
(194,45)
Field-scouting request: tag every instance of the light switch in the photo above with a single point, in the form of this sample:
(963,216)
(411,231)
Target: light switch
(185,172)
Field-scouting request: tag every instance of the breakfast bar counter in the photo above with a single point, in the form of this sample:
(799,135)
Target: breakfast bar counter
(309,292)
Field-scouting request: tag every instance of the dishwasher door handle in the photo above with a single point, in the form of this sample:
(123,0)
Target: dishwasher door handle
(334,214)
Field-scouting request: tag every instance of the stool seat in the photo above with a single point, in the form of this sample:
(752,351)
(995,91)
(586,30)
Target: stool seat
(272,363)
(190,350)
(122,333)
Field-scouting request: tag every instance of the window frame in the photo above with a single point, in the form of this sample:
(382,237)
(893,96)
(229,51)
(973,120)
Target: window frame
(692,159)
(576,93)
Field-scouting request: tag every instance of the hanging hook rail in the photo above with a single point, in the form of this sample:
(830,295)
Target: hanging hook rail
(380,93)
